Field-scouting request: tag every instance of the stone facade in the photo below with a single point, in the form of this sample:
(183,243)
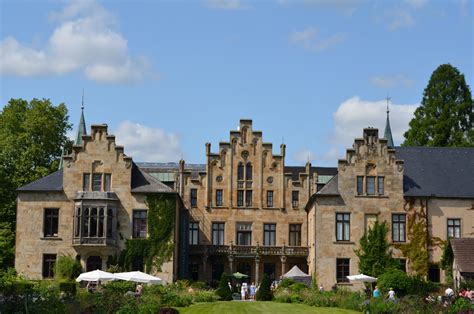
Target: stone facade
(94,205)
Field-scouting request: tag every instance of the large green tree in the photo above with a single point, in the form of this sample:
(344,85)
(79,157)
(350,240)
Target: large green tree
(445,117)
(31,137)
(375,256)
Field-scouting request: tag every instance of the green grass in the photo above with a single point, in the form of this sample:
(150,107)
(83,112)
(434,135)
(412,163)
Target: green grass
(257,307)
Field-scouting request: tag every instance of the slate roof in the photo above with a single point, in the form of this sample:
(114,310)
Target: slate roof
(296,170)
(438,171)
(52,182)
(142,182)
(463,250)
(331,188)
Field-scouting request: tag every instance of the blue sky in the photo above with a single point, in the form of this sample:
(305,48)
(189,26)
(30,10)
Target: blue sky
(167,77)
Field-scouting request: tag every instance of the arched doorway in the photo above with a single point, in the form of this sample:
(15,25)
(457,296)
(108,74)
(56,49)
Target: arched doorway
(93,263)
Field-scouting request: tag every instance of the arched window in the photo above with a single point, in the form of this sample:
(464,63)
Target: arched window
(248,172)
(240,171)
(93,229)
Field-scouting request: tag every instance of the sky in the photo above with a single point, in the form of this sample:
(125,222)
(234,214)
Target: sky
(169,76)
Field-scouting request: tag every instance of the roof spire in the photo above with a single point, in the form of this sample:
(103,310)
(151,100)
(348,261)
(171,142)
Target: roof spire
(81,130)
(388,131)
(61,158)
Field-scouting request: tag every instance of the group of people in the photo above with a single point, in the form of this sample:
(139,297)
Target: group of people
(246,292)
(390,295)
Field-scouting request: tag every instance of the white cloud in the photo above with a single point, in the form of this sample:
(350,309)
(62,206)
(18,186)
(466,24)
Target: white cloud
(391,81)
(230,5)
(355,114)
(304,155)
(400,18)
(144,143)
(310,40)
(347,7)
(84,40)
(416,3)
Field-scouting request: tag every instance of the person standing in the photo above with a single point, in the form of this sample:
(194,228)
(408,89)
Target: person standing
(252,291)
(242,293)
(376,293)
(391,295)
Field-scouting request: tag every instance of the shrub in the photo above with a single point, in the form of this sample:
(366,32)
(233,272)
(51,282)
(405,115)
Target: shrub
(396,279)
(204,296)
(119,286)
(264,293)
(69,288)
(67,268)
(461,305)
(223,291)
(175,298)
(378,305)
(283,296)
(285,283)
(466,284)
(198,285)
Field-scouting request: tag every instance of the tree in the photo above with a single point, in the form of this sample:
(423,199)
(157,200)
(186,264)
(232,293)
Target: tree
(31,137)
(445,117)
(264,292)
(67,268)
(223,290)
(375,256)
(447,260)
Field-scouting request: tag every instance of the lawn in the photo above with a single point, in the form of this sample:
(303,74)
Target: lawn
(257,307)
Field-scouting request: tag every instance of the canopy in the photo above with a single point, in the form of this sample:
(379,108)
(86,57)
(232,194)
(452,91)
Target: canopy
(239,275)
(362,278)
(95,275)
(138,276)
(295,272)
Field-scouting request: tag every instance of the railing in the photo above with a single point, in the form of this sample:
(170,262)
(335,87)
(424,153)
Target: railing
(96,241)
(248,250)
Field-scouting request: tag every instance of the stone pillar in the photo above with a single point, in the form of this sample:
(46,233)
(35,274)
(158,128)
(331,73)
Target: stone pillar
(231,263)
(283,264)
(257,267)
(204,262)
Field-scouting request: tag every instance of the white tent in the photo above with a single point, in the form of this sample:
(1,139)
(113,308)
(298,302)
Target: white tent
(95,275)
(138,276)
(298,275)
(361,278)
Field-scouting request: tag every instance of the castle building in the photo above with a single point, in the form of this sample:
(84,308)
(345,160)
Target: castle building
(245,210)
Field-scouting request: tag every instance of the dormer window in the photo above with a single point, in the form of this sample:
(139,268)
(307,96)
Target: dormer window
(374,185)
(100,182)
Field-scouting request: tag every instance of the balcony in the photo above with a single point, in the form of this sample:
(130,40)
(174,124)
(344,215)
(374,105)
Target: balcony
(93,241)
(244,250)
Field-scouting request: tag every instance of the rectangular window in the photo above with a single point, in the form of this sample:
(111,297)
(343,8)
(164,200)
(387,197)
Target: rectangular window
(244,233)
(295,235)
(248,198)
(398,227)
(240,198)
(454,228)
(218,233)
(97,182)
(48,265)
(295,196)
(86,181)
(194,233)
(50,222)
(370,188)
(402,264)
(360,185)
(269,198)
(194,197)
(218,197)
(269,234)
(107,181)
(139,223)
(380,185)
(342,227)
(342,269)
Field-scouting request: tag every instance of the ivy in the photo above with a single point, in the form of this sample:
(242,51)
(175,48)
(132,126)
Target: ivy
(158,247)
(447,261)
(419,242)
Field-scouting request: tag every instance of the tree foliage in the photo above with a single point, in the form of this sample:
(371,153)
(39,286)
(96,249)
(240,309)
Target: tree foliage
(374,253)
(445,117)
(67,268)
(223,290)
(31,137)
(264,292)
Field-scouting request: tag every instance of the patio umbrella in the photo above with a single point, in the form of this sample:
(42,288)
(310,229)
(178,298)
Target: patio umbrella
(239,275)
(95,275)
(361,278)
(138,276)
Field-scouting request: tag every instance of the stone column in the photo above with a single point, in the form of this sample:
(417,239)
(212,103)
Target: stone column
(231,263)
(283,264)
(257,264)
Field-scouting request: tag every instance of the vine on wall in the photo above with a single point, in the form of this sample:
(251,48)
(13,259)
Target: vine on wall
(419,244)
(158,247)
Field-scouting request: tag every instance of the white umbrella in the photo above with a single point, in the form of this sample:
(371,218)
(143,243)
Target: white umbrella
(362,278)
(138,276)
(95,275)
